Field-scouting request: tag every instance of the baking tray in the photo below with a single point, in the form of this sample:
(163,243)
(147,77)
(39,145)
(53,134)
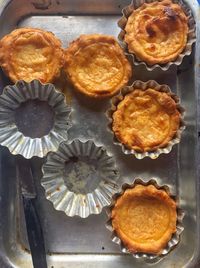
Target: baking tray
(76,242)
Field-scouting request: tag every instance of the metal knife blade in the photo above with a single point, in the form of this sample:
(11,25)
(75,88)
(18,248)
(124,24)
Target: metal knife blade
(33,225)
(24,172)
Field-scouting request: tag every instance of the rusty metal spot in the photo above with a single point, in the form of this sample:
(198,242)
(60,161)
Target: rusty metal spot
(43,4)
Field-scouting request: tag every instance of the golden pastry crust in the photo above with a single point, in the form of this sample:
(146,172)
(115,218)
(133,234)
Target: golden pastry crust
(30,53)
(157,32)
(144,218)
(96,65)
(146,120)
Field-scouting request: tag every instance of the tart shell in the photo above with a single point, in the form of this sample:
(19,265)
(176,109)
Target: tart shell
(140,192)
(181,12)
(153,31)
(96,65)
(31,53)
(163,105)
(155,250)
(152,150)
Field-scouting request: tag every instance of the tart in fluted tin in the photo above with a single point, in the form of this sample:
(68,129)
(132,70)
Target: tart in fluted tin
(145,219)
(96,65)
(26,105)
(146,119)
(31,53)
(158,33)
(80,178)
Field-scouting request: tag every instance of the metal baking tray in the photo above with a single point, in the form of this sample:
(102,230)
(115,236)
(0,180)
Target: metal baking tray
(76,242)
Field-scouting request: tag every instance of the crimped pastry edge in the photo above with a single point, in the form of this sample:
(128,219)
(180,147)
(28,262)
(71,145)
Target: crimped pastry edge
(143,86)
(175,238)
(85,39)
(126,11)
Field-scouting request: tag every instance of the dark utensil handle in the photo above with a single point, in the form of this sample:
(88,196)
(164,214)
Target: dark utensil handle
(34,231)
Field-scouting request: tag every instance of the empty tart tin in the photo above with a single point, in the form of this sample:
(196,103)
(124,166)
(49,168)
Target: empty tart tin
(175,238)
(34,118)
(80,178)
(144,86)
(191,38)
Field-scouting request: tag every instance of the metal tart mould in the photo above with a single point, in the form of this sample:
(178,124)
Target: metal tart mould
(80,178)
(14,97)
(172,243)
(126,11)
(143,86)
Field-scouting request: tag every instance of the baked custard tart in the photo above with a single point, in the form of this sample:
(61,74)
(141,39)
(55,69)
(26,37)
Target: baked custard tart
(30,53)
(144,218)
(96,65)
(157,32)
(146,119)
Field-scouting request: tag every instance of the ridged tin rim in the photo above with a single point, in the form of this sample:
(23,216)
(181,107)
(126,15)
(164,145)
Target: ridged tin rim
(143,86)
(126,11)
(11,98)
(75,203)
(172,243)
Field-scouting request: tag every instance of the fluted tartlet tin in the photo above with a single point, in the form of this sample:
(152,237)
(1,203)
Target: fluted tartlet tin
(80,178)
(10,136)
(143,86)
(126,11)
(172,243)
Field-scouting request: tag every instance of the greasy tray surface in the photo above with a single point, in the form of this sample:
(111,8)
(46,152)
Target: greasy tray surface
(69,241)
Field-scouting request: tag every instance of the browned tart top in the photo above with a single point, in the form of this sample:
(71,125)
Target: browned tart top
(157,32)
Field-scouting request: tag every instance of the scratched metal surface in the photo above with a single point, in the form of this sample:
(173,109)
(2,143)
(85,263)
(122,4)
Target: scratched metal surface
(79,242)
